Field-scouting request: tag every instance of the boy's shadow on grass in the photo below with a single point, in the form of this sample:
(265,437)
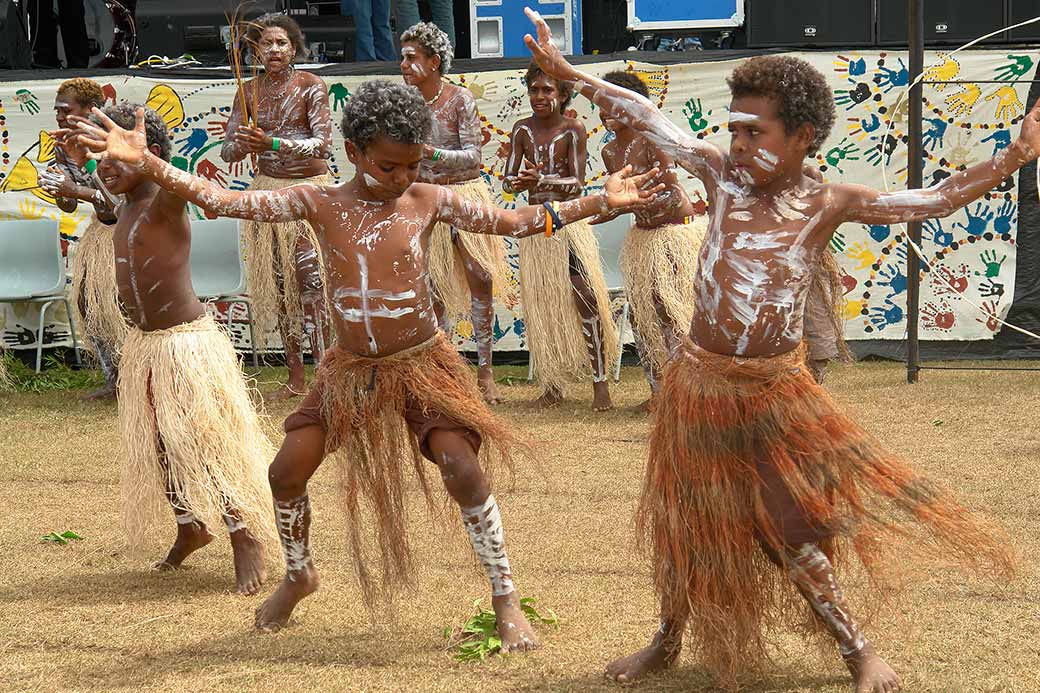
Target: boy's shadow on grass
(687,677)
(120,586)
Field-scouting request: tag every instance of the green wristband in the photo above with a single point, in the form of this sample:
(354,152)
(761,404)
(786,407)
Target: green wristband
(275,144)
(90,166)
(436,155)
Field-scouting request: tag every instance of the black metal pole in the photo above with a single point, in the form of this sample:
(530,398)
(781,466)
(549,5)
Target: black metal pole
(914,180)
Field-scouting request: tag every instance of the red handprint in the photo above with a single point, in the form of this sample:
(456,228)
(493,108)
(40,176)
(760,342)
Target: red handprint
(110,93)
(208,170)
(992,322)
(217,128)
(949,281)
(504,150)
(485,136)
(937,317)
(848,282)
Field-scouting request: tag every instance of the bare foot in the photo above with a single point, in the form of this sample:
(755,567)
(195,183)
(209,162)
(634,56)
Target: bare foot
(274,613)
(549,398)
(644,407)
(190,538)
(657,656)
(103,392)
(872,674)
(601,397)
(285,392)
(250,571)
(516,633)
(486,383)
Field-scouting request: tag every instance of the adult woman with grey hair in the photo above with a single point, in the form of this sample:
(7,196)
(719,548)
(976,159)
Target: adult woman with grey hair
(463,266)
(282,120)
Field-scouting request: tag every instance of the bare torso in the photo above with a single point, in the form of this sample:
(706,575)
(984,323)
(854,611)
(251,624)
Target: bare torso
(558,154)
(456,131)
(672,205)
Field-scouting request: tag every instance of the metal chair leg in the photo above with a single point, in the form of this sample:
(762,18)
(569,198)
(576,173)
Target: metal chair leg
(72,329)
(252,335)
(39,335)
(622,321)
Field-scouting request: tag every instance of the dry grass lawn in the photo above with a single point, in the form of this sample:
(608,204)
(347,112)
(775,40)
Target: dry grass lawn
(90,616)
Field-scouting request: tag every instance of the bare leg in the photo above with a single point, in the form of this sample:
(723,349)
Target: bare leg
(813,575)
(585,301)
(312,298)
(250,571)
(649,372)
(104,355)
(300,455)
(483,312)
(464,481)
(192,534)
(662,652)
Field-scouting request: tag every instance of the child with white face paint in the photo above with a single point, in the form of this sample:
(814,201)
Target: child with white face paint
(281,121)
(464,267)
(747,450)
(567,319)
(392,388)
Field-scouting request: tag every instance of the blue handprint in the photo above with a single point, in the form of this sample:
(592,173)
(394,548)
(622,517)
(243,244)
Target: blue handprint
(857,67)
(1001,139)
(195,141)
(893,274)
(978,220)
(933,136)
(883,316)
(1005,217)
(893,78)
(879,232)
(940,236)
(870,124)
(237,184)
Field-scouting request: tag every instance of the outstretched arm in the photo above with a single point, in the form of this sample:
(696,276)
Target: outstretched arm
(107,139)
(696,156)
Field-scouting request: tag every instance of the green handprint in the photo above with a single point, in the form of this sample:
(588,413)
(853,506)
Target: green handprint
(695,115)
(844,151)
(989,258)
(26,101)
(838,242)
(339,94)
(1019,65)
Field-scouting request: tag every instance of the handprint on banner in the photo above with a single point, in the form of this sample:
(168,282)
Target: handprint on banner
(853,309)
(850,67)
(992,263)
(109,92)
(938,317)
(886,314)
(208,170)
(850,98)
(694,114)
(960,154)
(989,309)
(218,127)
(933,136)
(1005,217)
(901,112)
(26,101)
(848,282)
(940,236)
(482,91)
(879,232)
(978,219)
(1008,103)
(942,72)
(235,168)
(950,282)
(29,209)
(845,151)
(1000,138)
(339,93)
(861,127)
(511,107)
(68,221)
(1019,66)
(193,143)
(838,241)
(963,102)
(990,288)
(861,254)
(878,152)
(889,79)
(238,184)
(892,274)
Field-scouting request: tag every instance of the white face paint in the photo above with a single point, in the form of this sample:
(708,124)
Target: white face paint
(738,117)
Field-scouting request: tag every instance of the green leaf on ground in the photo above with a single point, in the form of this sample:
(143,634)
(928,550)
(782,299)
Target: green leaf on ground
(477,638)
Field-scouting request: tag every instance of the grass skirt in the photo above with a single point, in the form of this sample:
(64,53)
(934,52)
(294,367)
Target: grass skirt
(447,272)
(376,448)
(183,387)
(661,262)
(94,284)
(554,331)
(721,423)
(269,251)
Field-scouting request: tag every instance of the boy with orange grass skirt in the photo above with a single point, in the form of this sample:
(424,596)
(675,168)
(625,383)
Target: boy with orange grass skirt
(463,266)
(659,255)
(392,388)
(750,461)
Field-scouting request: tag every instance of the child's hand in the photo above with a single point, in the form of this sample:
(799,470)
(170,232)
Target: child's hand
(625,190)
(66,140)
(544,50)
(54,181)
(108,140)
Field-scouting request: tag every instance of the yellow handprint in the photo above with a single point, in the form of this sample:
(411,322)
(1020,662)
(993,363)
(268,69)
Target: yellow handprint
(482,91)
(961,103)
(67,222)
(943,72)
(859,251)
(853,309)
(1008,103)
(30,210)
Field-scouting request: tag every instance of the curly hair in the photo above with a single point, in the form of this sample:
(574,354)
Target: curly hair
(628,80)
(566,89)
(391,109)
(433,41)
(124,114)
(255,28)
(87,92)
(800,91)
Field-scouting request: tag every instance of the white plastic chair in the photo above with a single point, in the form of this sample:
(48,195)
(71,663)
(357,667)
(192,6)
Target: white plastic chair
(217,270)
(32,270)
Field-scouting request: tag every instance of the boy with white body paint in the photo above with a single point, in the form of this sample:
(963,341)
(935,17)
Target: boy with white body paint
(190,434)
(747,450)
(392,387)
(659,255)
(567,316)
(463,266)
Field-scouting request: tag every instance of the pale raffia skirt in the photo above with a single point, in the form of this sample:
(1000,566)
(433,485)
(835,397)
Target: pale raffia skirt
(94,284)
(269,251)
(446,270)
(661,262)
(824,327)
(555,334)
(183,388)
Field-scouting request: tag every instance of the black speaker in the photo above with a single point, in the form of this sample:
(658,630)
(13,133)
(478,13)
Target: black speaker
(14,46)
(1020,11)
(810,23)
(945,21)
